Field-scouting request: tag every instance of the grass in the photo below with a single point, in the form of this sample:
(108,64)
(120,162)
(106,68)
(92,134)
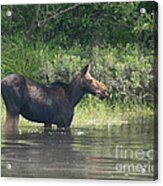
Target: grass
(103,116)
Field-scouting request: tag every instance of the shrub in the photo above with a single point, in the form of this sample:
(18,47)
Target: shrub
(126,70)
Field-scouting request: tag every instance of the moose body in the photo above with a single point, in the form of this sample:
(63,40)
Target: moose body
(48,104)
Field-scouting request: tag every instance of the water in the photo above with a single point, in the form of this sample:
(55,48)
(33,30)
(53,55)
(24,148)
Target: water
(119,152)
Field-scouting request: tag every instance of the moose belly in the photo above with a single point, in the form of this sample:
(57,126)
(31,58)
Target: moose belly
(40,113)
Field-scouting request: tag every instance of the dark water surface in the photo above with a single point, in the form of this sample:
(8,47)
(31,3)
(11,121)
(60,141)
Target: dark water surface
(118,152)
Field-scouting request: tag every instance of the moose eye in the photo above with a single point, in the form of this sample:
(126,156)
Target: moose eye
(90,81)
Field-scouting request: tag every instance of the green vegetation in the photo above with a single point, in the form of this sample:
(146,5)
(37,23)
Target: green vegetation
(128,75)
(53,42)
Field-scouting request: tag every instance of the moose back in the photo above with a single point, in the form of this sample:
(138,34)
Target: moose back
(52,104)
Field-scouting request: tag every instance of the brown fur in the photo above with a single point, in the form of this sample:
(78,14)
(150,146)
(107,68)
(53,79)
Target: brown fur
(52,104)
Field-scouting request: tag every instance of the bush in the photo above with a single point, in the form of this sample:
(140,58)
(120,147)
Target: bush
(127,72)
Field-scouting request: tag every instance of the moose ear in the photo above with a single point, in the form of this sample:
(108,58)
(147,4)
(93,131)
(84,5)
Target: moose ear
(86,69)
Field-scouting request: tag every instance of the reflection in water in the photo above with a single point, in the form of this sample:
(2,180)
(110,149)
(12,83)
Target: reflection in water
(121,152)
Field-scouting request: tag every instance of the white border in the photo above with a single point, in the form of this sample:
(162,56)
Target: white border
(62,182)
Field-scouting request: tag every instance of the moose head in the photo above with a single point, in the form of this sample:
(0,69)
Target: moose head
(90,85)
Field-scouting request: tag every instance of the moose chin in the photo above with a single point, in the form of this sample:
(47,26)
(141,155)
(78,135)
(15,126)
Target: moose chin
(48,104)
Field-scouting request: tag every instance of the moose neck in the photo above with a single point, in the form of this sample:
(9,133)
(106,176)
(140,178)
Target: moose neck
(76,93)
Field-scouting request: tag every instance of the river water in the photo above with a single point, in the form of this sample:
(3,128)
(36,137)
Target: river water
(119,152)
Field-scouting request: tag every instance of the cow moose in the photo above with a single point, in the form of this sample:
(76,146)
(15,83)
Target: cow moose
(48,104)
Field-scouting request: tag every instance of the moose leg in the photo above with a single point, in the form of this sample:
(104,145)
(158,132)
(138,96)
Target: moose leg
(64,126)
(11,123)
(47,126)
